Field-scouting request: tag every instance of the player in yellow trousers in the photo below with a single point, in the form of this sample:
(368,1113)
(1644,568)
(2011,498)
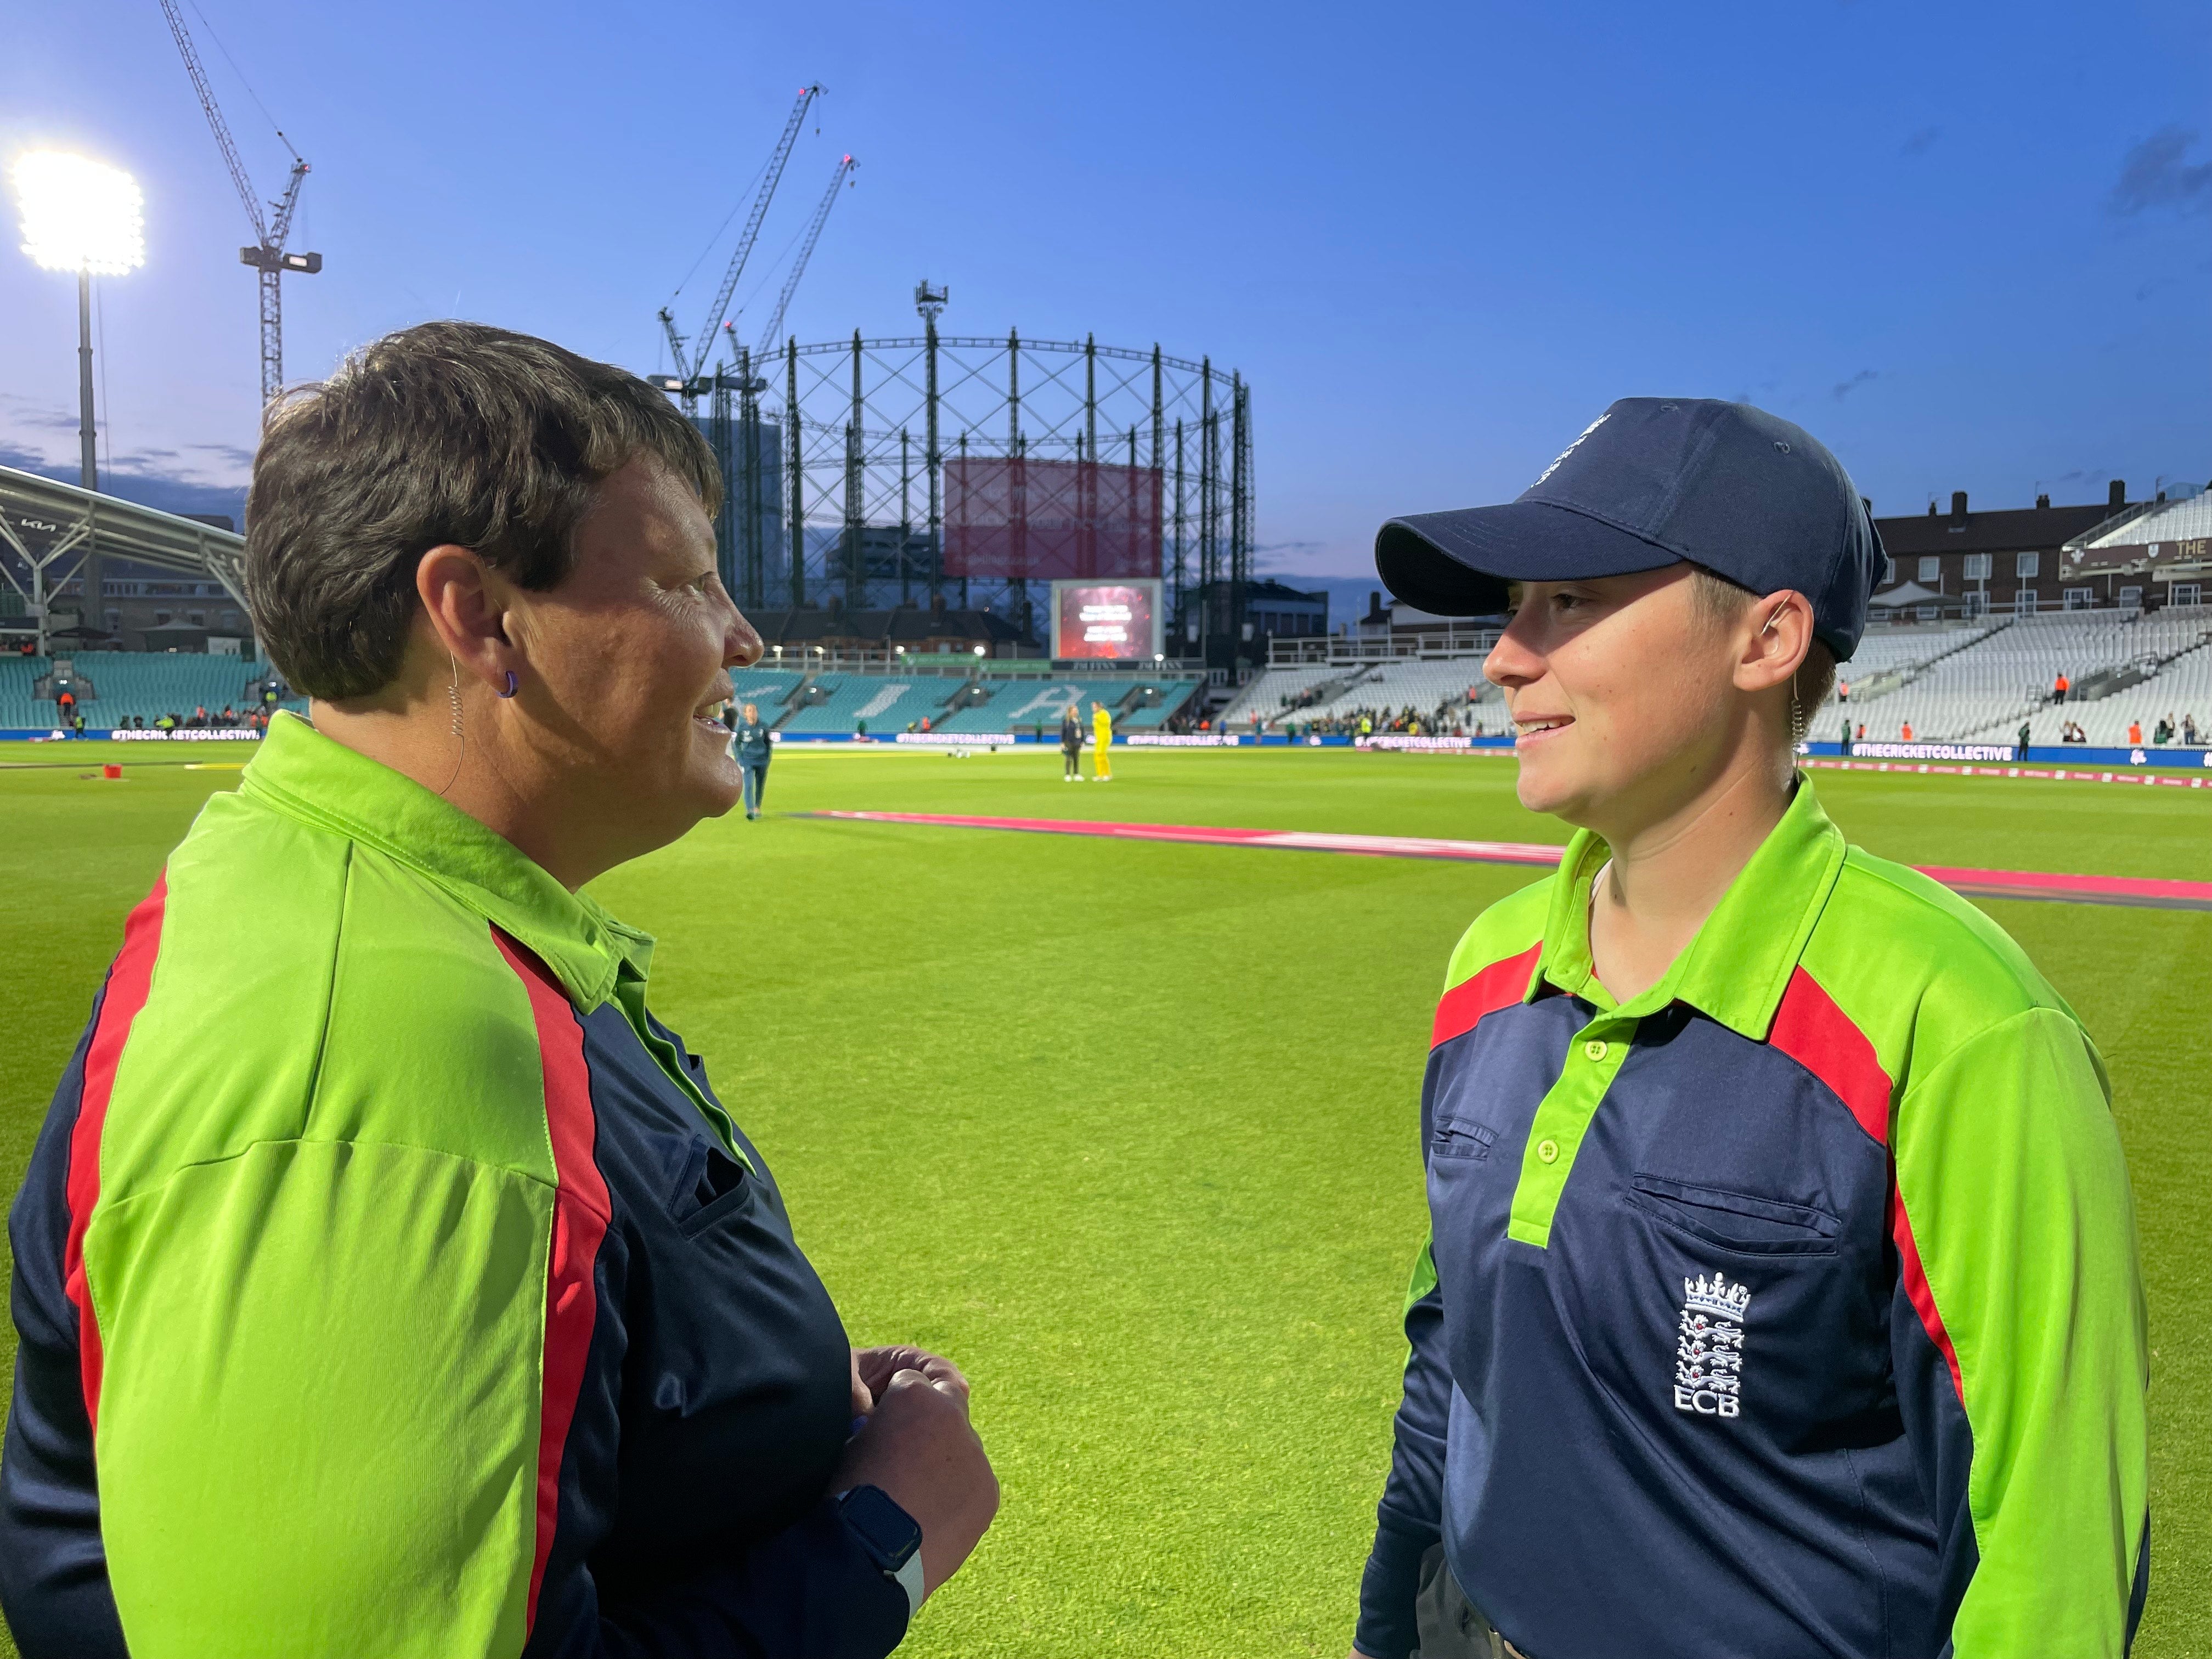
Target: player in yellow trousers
(1102,744)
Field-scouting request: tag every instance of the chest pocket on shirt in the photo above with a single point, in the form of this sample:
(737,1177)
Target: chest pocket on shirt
(1461,1137)
(1735,1221)
(715,1187)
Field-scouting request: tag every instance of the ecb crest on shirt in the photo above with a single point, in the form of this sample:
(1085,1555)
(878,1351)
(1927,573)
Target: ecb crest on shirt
(1709,1349)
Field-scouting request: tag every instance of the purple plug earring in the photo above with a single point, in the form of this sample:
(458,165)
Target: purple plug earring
(513,684)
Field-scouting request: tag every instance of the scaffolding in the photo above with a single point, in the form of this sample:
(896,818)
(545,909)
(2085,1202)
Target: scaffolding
(835,458)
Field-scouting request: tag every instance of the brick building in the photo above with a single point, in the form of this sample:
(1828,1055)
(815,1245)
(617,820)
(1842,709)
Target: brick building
(2008,559)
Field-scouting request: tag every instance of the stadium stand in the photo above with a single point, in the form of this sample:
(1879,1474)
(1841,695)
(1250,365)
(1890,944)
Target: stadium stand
(769,688)
(887,705)
(1018,704)
(127,684)
(1989,686)
(1424,685)
(1267,695)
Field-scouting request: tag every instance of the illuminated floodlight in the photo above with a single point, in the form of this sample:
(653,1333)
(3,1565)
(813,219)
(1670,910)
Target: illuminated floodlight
(80,215)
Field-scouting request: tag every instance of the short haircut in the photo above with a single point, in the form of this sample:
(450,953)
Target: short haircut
(444,433)
(1720,602)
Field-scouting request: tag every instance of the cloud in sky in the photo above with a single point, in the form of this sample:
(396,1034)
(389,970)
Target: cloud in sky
(1843,389)
(2154,174)
(1921,141)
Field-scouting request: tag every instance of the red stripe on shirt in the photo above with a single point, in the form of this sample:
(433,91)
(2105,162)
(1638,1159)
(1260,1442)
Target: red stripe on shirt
(1819,1035)
(1500,985)
(129,981)
(580,1222)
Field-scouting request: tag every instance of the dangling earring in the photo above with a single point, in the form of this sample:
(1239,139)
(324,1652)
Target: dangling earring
(453,696)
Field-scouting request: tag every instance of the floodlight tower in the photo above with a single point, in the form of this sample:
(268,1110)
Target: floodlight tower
(929,302)
(88,218)
(267,256)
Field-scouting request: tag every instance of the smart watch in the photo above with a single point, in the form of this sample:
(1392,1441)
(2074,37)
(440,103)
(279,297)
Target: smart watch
(892,1537)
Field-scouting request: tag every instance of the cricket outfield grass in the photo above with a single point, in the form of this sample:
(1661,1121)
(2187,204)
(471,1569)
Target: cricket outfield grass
(1129,1127)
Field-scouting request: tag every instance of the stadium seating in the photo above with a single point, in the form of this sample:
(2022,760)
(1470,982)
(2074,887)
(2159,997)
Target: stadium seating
(1420,685)
(2005,676)
(768,688)
(144,684)
(1018,705)
(1263,695)
(887,704)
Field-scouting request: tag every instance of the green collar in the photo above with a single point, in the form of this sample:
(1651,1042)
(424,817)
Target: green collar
(1740,964)
(305,775)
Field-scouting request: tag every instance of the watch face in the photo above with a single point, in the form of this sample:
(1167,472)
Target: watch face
(890,1534)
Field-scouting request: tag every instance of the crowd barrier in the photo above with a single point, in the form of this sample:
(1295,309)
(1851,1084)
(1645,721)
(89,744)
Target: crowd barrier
(2066,754)
(197,734)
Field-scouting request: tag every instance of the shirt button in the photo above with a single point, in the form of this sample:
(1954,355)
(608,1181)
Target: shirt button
(1594,1049)
(1547,1152)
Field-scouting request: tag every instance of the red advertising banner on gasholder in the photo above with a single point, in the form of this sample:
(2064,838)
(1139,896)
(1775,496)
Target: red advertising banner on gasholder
(1010,517)
(1106,621)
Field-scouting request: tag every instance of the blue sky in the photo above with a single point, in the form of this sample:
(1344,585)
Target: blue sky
(1969,245)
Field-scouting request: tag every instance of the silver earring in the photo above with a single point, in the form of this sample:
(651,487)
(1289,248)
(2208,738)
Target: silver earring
(453,692)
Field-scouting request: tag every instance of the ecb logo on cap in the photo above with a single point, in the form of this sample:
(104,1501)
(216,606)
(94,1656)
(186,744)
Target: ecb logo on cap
(1572,447)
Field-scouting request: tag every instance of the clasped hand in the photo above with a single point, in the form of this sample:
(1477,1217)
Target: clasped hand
(919,1448)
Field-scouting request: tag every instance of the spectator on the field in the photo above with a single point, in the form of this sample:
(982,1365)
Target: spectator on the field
(1070,746)
(1843,743)
(2162,734)
(753,745)
(1906,733)
(428,1300)
(2189,735)
(2135,734)
(65,703)
(2023,737)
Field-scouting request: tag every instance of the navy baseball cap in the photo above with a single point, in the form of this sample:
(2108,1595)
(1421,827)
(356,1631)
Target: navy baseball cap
(1653,482)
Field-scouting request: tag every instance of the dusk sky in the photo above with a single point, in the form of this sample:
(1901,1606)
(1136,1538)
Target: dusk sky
(1968,246)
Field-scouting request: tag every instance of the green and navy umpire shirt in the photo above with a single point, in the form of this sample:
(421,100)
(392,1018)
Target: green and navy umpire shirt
(1789,1309)
(389,1281)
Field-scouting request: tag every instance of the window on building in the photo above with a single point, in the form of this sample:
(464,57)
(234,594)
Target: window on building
(2027,564)
(2185,593)
(2024,601)
(2132,598)
(1888,569)
(1931,568)
(2081,599)
(1977,567)
(197,618)
(1929,612)
(1975,603)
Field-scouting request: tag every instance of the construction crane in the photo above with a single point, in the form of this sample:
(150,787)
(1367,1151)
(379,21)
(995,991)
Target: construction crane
(267,256)
(689,363)
(798,265)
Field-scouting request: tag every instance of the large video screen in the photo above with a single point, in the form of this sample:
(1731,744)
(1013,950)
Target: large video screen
(1106,621)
